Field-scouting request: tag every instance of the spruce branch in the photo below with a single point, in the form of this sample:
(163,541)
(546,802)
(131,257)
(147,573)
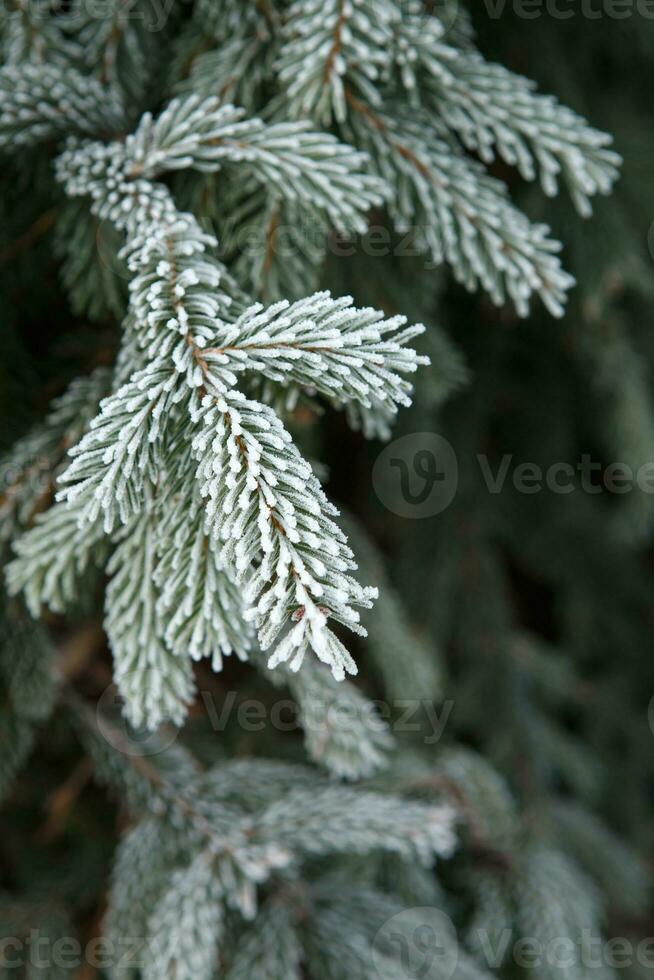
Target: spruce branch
(51,559)
(323,344)
(28,472)
(268,949)
(323,43)
(270,504)
(201,607)
(115,462)
(156,683)
(342,729)
(185,925)
(293,158)
(457,213)
(42,102)
(494,110)
(28,687)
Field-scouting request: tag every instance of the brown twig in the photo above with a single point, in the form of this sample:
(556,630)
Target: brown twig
(61,802)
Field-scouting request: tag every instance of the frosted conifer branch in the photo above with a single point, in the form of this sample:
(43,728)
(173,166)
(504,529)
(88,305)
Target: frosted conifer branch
(119,44)
(269,949)
(245,41)
(118,458)
(271,505)
(39,102)
(29,470)
(293,158)
(339,819)
(145,859)
(201,607)
(52,557)
(325,344)
(185,925)
(342,729)
(157,685)
(100,171)
(186,485)
(461,215)
(230,830)
(28,686)
(554,901)
(262,504)
(325,41)
(334,63)
(244,848)
(296,161)
(178,444)
(494,110)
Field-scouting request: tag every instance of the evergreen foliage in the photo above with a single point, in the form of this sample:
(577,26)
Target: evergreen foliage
(316,724)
